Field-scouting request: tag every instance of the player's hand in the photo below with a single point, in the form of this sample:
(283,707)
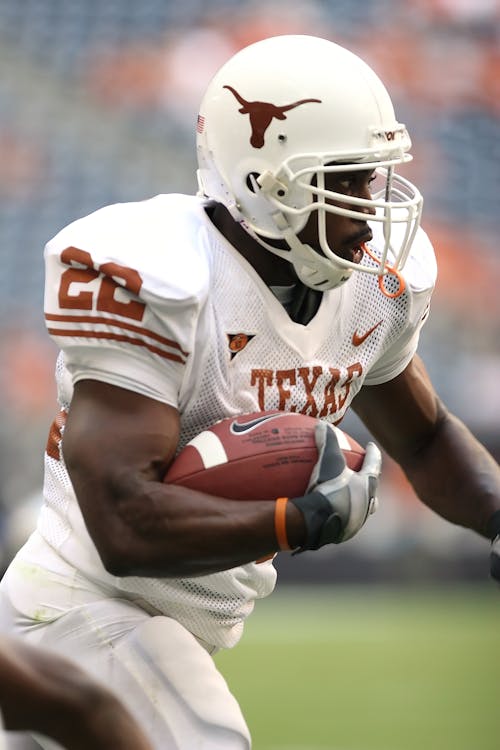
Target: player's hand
(338,500)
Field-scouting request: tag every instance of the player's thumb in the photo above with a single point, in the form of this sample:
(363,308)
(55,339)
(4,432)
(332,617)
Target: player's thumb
(372,462)
(371,468)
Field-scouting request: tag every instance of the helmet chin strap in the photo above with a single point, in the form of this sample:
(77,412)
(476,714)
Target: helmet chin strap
(313,269)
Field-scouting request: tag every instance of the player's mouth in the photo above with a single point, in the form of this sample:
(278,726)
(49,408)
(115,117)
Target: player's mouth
(353,249)
(356,253)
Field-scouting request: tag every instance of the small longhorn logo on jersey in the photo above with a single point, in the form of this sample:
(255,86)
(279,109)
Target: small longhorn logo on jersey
(263,113)
(238,341)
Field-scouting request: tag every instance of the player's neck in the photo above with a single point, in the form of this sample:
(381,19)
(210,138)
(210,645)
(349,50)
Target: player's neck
(272,269)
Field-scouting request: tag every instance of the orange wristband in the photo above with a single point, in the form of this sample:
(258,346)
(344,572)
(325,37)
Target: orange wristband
(280,523)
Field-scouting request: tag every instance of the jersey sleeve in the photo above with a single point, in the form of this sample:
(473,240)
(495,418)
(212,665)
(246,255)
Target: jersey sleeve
(420,277)
(121,299)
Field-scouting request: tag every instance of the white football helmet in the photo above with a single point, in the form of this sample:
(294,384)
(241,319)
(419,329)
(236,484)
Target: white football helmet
(274,120)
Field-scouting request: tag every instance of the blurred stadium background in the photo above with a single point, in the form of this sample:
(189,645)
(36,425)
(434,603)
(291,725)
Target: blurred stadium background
(398,649)
(97,105)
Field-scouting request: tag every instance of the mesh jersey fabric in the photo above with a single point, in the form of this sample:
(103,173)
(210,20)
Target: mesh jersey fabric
(148,296)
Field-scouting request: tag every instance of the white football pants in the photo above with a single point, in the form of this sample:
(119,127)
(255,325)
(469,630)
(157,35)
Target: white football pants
(160,671)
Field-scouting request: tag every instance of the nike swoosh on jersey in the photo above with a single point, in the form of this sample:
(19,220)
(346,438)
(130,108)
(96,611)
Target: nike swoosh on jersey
(358,339)
(240,427)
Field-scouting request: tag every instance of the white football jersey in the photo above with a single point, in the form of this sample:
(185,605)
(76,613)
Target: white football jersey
(150,297)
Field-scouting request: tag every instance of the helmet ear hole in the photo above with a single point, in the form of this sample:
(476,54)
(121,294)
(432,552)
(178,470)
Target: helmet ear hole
(251,182)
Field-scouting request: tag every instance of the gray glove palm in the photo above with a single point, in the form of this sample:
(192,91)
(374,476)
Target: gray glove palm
(338,500)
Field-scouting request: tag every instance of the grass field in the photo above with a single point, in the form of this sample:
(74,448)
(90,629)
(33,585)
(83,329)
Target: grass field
(331,668)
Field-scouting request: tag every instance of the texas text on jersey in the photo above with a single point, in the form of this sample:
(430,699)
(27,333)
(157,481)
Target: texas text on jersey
(193,325)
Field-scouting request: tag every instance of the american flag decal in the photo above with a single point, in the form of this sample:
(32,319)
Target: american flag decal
(200,125)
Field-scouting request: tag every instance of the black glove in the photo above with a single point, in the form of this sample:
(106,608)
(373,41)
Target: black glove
(494,533)
(338,500)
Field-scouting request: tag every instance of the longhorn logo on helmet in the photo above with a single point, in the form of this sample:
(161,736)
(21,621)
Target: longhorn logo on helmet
(262,114)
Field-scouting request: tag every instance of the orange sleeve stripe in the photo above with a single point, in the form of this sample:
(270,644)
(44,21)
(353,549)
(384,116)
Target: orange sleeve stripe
(77,333)
(102,320)
(280,523)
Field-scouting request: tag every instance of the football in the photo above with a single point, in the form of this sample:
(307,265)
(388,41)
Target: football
(256,456)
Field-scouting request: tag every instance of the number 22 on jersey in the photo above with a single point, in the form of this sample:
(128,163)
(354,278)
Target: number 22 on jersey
(112,277)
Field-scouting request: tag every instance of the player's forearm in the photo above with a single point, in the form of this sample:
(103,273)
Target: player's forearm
(68,708)
(188,533)
(467,495)
(98,720)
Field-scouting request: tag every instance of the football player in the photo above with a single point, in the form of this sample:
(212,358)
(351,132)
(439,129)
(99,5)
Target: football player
(299,279)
